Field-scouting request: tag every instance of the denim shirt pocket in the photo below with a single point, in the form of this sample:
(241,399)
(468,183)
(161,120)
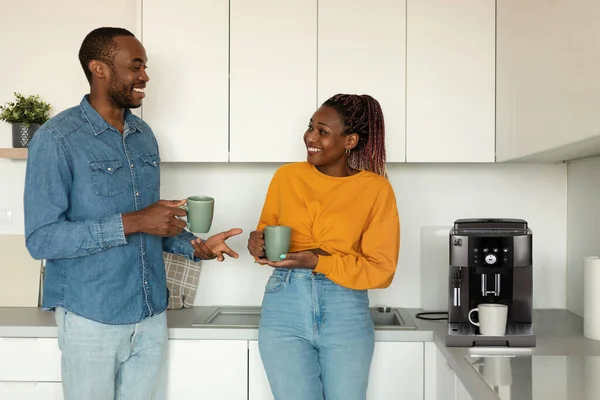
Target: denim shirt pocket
(109,178)
(150,171)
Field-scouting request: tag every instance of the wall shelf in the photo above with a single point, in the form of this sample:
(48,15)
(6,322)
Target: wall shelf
(13,154)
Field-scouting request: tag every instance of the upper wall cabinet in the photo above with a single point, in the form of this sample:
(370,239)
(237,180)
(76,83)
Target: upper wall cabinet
(450,81)
(548,100)
(362,50)
(186,102)
(273,86)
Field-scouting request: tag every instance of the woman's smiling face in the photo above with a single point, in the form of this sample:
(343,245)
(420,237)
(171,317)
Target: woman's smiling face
(325,140)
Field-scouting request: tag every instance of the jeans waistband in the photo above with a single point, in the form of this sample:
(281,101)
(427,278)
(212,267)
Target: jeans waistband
(298,273)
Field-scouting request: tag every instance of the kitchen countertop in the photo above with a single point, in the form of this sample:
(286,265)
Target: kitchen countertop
(35,323)
(559,341)
(559,336)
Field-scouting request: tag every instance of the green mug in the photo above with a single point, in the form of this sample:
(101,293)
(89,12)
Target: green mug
(277,241)
(200,212)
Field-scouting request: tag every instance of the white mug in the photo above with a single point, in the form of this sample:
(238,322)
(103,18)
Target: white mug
(492,319)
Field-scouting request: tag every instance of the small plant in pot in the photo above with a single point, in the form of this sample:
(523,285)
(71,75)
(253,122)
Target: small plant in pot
(26,114)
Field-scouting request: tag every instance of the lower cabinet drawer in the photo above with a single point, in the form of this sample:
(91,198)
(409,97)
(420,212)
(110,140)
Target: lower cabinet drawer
(31,391)
(29,360)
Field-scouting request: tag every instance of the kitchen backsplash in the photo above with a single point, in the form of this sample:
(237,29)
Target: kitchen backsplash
(583,227)
(427,194)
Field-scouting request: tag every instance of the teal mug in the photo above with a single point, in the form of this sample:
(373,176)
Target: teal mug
(277,241)
(200,212)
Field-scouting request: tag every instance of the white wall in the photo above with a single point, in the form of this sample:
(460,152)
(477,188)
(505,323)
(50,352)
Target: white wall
(583,225)
(427,194)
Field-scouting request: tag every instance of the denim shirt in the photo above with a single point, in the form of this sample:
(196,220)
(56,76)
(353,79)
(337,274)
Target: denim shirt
(82,175)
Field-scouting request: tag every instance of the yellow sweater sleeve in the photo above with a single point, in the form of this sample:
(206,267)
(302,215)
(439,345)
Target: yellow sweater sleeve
(380,247)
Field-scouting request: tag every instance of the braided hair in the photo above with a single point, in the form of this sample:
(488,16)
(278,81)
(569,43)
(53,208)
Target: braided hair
(362,114)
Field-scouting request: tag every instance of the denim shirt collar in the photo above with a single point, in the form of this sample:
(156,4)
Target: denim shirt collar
(99,124)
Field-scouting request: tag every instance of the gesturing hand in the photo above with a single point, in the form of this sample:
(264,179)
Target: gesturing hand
(158,219)
(215,246)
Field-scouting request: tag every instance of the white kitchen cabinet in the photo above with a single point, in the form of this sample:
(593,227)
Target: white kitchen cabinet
(430,372)
(396,371)
(446,381)
(441,383)
(207,369)
(273,81)
(362,50)
(461,391)
(29,360)
(31,391)
(548,80)
(439,377)
(258,384)
(186,102)
(450,81)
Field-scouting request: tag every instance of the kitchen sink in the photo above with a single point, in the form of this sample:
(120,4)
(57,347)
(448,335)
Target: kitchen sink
(390,318)
(384,318)
(232,317)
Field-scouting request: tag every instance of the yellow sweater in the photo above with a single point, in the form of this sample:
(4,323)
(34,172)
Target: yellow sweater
(354,218)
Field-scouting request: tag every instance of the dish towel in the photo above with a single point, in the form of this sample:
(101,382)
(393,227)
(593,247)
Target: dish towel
(182,280)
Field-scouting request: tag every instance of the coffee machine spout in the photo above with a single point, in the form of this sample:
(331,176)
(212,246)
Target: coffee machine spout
(484,286)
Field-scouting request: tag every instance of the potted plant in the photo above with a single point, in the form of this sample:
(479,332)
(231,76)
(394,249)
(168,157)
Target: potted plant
(26,114)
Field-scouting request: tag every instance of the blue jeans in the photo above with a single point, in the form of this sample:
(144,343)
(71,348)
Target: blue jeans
(111,362)
(316,338)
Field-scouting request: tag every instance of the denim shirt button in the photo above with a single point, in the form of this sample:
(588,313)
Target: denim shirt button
(131,165)
(137,194)
(145,282)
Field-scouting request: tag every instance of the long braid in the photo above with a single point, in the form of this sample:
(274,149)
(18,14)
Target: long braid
(362,114)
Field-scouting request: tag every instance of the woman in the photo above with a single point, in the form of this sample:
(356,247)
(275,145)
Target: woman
(316,336)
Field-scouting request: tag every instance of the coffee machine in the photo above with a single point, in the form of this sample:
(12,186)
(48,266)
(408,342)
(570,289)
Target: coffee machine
(490,262)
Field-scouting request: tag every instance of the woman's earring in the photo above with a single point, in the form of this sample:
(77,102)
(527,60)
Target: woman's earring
(347,152)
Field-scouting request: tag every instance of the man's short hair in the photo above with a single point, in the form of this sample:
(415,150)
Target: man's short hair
(100,45)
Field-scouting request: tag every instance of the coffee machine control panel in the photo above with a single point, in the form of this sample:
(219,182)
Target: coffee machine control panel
(491,251)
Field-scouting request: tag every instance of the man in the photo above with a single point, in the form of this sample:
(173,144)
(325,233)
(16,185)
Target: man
(92,209)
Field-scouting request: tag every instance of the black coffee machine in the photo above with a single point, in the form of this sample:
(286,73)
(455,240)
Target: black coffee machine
(490,262)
